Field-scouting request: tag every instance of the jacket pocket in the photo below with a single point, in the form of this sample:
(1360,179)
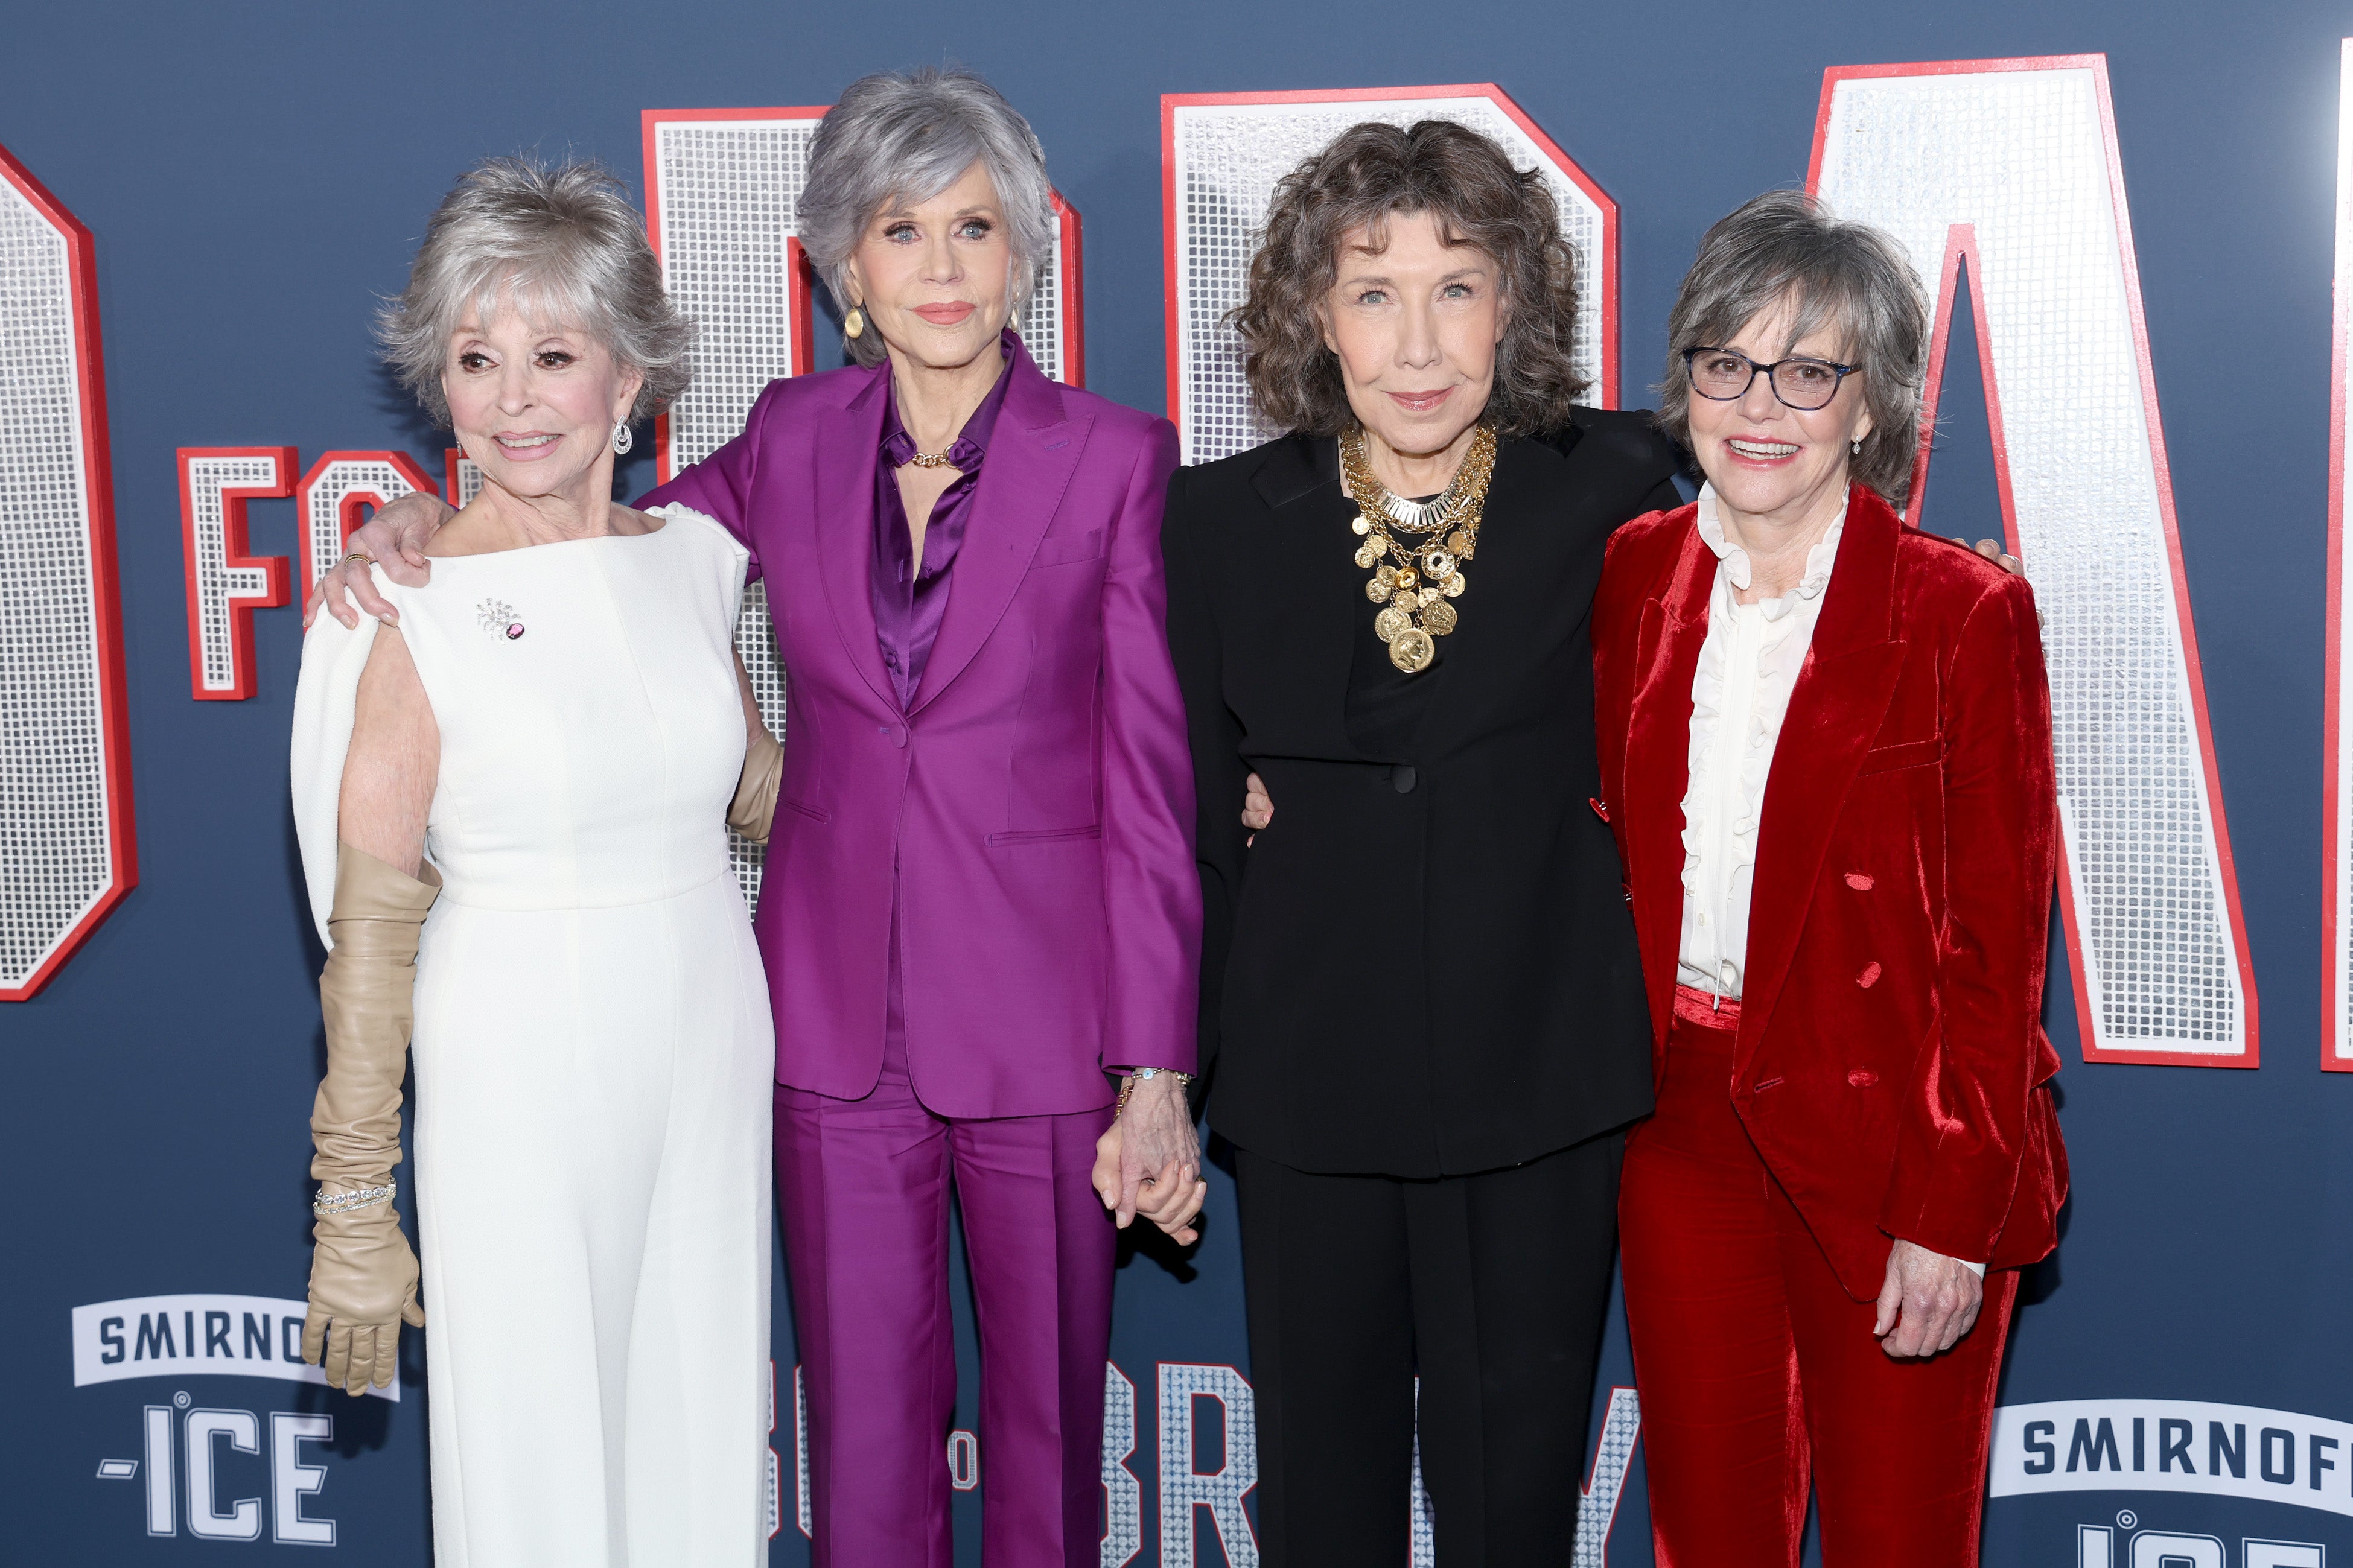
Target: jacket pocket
(1061,549)
(1043,835)
(1905,754)
(815,814)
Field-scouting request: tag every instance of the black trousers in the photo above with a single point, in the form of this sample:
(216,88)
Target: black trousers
(1492,1287)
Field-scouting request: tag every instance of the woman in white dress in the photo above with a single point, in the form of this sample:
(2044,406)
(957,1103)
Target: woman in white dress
(511,798)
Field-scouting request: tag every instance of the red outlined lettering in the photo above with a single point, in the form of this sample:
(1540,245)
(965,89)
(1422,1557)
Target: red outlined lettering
(2009,170)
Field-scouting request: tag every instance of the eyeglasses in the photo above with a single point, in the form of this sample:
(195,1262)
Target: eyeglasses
(1723,375)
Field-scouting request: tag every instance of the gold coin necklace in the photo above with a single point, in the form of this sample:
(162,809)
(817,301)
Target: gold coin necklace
(1416,548)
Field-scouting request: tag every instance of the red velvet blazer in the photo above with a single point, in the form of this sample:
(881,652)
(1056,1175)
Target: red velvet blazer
(1890,1064)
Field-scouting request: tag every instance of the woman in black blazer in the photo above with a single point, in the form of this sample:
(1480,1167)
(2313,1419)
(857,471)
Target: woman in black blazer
(1422,1003)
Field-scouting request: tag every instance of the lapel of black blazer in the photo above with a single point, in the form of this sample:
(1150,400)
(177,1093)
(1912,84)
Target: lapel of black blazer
(1306,556)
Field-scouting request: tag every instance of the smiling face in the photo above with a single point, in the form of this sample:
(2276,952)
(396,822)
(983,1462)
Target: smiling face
(1767,461)
(534,403)
(1414,324)
(934,277)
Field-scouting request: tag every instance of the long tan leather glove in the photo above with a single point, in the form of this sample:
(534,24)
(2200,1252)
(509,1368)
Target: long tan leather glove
(754,811)
(362,1274)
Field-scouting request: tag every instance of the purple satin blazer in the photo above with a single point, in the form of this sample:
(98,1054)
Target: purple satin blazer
(1035,797)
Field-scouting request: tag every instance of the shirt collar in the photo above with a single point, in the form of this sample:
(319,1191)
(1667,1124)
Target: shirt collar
(971,444)
(1736,567)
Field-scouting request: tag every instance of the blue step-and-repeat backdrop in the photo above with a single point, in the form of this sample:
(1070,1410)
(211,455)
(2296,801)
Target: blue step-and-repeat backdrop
(2131,216)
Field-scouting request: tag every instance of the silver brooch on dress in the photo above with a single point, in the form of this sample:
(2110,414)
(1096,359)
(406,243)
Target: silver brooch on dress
(498,617)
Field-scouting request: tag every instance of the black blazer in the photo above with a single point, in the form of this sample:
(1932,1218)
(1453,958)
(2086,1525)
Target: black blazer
(1425,967)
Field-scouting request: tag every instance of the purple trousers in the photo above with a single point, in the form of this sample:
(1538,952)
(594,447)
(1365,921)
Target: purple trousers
(863,1188)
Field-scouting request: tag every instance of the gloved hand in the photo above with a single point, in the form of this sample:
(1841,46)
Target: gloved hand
(754,812)
(363,1273)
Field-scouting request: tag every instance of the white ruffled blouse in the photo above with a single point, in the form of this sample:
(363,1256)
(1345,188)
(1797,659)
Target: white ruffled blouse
(1748,668)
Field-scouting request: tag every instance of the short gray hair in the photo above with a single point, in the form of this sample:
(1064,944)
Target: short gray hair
(1847,276)
(906,137)
(561,242)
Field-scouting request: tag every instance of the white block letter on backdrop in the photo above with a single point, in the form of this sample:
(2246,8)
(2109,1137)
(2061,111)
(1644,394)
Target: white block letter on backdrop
(1220,155)
(2337,917)
(1186,1488)
(722,206)
(226,583)
(2013,165)
(1122,1493)
(67,855)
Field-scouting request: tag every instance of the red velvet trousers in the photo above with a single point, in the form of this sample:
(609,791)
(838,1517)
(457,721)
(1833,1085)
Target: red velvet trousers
(1759,1374)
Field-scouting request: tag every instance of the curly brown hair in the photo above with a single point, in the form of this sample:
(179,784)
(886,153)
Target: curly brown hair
(1467,182)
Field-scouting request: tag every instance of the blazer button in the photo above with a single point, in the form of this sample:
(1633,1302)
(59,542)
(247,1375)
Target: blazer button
(1863,1078)
(1858,881)
(1401,779)
(1869,977)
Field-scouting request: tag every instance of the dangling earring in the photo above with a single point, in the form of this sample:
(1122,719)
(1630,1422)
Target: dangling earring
(854,323)
(1013,319)
(622,439)
(1854,448)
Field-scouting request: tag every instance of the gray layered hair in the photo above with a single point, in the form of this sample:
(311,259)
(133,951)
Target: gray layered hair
(560,244)
(1848,276)
(900,138)
(1468,185)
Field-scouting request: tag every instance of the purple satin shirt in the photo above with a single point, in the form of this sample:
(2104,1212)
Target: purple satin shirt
(907,614)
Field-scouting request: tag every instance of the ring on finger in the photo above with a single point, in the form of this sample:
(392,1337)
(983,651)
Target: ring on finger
(352,555)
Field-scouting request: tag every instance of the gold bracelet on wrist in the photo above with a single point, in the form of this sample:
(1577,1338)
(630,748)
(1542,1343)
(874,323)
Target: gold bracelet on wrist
(1135,1076)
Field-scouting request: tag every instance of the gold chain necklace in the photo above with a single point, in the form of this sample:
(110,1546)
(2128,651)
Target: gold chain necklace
(1416,551)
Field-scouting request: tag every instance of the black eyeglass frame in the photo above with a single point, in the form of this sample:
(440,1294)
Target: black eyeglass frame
(1756,370)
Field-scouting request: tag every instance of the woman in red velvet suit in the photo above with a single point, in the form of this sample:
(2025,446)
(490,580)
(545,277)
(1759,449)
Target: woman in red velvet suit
(1826,756)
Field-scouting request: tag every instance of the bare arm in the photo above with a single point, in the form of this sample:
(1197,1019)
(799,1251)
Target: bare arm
(395,757)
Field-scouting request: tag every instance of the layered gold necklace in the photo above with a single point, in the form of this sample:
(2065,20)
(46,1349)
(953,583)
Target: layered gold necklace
(1417,548)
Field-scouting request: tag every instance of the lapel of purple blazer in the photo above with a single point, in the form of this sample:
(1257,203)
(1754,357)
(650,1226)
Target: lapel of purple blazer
(1031,455)
(848,447)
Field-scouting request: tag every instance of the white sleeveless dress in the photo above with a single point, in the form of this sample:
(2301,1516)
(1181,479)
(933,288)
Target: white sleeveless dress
(593,1049)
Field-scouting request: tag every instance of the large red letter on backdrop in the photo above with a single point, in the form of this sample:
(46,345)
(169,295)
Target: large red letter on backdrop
(723,205)
(1220,155)
(2011,166)
(69,856)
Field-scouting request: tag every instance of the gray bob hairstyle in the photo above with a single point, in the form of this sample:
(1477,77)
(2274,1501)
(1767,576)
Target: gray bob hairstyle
(1848,276)
(897,137)
(561,245)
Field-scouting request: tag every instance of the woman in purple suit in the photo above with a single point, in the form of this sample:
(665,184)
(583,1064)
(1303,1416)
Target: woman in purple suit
(980,903)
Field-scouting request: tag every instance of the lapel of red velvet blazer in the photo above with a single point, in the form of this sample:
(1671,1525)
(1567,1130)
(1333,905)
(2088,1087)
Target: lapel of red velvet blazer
(848,449)
(1673,628)
(1032,453)
(1839,700)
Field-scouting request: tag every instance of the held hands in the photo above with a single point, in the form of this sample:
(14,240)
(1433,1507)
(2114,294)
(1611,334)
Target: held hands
(1258,807)
(395,540)
(1149,1162)
(363,1288)
(1930,1302)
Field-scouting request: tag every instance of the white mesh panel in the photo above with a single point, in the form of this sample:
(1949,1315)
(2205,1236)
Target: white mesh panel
(2022,155)
(2337,1049)
(57,858)
(381,477)
(1122,1538)
(1228,157)
(1613,1455)
(218,591)
(462,477)
(725,198)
